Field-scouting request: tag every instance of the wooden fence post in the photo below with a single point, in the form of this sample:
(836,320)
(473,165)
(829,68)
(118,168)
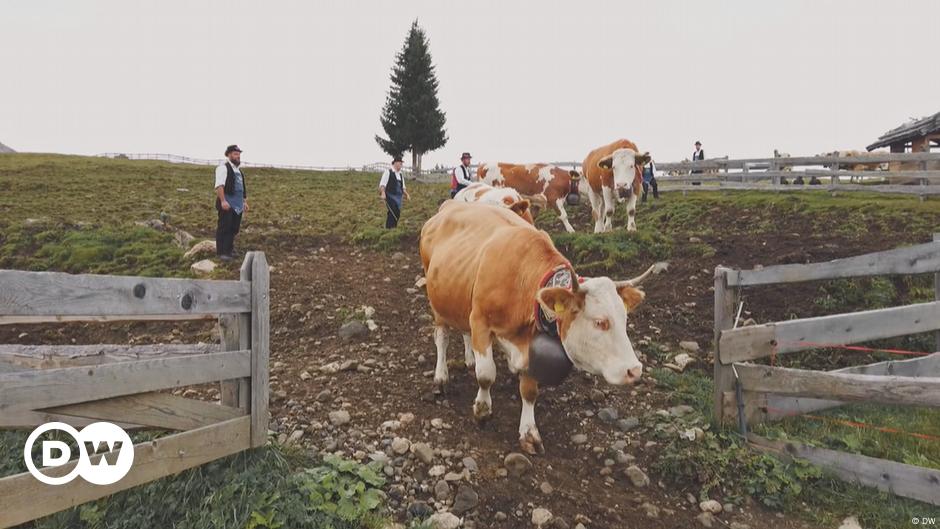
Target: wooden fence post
(725,297)
(235,331)
(936,295)
(260,352)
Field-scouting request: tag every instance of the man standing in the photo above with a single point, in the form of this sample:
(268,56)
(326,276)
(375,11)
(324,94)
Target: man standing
(462,175)
(649,180)
(230,201)
(391,190)
(697,154)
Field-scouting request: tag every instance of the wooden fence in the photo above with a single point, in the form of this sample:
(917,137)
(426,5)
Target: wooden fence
(124,384)
(777,174)
(770,393)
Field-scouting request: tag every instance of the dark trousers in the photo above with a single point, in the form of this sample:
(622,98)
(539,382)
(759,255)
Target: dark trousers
(229,224)
(394,212)
(647,185)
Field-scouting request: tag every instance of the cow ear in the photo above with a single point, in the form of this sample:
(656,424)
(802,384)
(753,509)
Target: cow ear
(631,296)
(606,163)
(520,207)
(558,301)
(643,159)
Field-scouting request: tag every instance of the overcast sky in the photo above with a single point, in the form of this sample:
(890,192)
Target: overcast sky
(304,82)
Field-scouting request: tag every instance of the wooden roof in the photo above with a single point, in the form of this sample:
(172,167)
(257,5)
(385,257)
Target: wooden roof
(912,129)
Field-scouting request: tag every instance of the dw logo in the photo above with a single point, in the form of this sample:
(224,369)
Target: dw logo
(109,440)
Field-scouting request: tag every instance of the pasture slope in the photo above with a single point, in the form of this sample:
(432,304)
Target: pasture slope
(321,233)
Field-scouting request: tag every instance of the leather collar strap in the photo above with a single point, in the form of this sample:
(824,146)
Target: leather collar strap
(561,276)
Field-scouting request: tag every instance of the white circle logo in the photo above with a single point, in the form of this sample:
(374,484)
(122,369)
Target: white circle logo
(108,441)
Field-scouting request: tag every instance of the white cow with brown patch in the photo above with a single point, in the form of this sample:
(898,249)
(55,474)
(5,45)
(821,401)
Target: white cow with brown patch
(505,197)
(537,179)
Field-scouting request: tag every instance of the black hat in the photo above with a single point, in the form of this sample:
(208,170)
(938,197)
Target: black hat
(232,148)
(398,159)
(698,143)
(465,155)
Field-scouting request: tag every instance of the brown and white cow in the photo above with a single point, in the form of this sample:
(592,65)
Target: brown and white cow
(486,270)
(506,197)
(554,183)
(614,173)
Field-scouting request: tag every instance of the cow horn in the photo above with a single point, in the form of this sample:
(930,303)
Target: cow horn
(654,269)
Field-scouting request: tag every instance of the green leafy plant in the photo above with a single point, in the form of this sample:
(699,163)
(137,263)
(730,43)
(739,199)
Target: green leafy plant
(344,488)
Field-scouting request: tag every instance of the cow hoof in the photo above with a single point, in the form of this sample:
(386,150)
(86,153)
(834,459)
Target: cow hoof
(531,444)
(482,410)
(440,387)
(471,363)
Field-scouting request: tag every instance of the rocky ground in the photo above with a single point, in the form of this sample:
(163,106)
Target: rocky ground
(351,372)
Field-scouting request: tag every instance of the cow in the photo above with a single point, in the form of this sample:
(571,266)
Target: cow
(503,197)
(549,181)
(614,173)
(488,274)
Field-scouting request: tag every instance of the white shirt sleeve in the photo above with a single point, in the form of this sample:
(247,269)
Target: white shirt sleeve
(384,181)
(458,174)
(221,173)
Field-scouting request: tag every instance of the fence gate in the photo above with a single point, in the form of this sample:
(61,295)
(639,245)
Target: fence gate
(767,392)
(126,384)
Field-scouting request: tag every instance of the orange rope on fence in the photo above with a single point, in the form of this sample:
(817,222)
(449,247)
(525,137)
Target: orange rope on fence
(855,424)
(854,348)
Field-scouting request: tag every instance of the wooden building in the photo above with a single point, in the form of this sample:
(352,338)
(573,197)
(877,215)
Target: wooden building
(919,135)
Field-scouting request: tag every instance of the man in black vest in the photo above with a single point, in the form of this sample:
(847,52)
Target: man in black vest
(697,155)
(462,175)
(231,201)
(391,191)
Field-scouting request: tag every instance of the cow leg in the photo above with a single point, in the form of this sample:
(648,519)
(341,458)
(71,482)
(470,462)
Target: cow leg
(485,368)
(529,439)
(440,370)
(609,203)
(468,350)
(597,210)
(631,212)
(563,215)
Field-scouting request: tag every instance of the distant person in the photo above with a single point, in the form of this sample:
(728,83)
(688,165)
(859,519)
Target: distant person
(798,181)
(462,175)
(231,201)
(813,181)
(649,180)
(697,154)
(392,190)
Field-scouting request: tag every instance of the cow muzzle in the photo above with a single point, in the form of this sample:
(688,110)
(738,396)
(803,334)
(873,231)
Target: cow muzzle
(624,192)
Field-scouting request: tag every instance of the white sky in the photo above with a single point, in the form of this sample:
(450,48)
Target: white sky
(304,82)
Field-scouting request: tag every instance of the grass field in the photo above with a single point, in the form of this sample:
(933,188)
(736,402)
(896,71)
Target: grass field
(78,214)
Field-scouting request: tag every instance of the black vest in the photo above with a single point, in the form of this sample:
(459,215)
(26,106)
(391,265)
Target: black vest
(230,181)
(393,186)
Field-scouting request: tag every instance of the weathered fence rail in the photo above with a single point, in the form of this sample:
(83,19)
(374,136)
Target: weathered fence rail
(125,385)
(769,392)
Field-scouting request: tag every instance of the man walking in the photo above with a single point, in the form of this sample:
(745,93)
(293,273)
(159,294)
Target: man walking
(462,175)
(391,190)
(649,180)
(230,201)
(697,154)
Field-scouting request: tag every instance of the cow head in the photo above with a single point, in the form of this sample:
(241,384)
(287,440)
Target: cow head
(521,208)
(624,163)
(592,323)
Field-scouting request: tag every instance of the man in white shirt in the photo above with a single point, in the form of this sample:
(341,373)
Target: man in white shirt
(231,201)
(391,191)
(462,175)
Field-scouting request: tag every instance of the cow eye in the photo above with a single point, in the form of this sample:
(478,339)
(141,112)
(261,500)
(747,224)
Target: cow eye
(602,324)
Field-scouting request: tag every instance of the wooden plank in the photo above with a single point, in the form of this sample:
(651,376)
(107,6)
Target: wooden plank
(244,335)
(874,189)
(919,259)
(31,390)
(59,294)
(155,410)
(29,420)
(725,297)
(25,498)
(260,352)
(22,320)
(885,389)
(936,294)
(909,481)
(761,406)
(794,161)
(49,356)
(760,341)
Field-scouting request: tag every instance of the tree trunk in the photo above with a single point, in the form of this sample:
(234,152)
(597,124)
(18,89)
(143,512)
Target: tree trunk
(416,163)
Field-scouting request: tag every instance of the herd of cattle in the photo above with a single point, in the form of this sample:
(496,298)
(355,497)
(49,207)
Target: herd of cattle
(614,174)
(499,281)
